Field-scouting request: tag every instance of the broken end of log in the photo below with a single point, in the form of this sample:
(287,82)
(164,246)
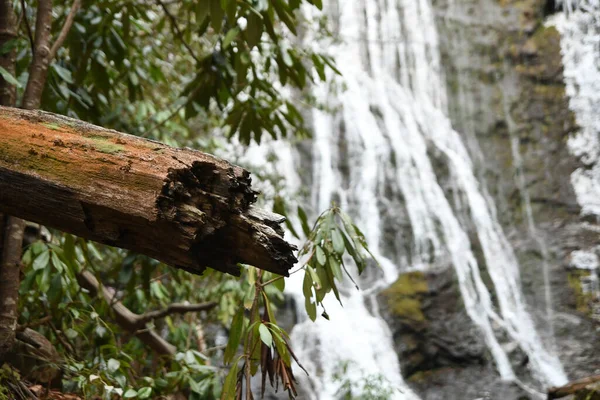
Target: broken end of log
(258,240)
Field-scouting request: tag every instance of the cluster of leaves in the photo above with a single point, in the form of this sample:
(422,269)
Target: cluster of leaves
(264,343)
(332,237)
(101,360)
(224,63)
(173,71)
(368,387)
(100,357)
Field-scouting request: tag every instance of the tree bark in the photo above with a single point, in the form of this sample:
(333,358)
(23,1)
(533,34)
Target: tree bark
(10,251)
(8,92)
(572,388)
(9,282)
(183,207)
(38,69)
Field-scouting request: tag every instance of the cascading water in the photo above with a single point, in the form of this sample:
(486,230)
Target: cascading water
(391,112)
(372,156)
(579,26)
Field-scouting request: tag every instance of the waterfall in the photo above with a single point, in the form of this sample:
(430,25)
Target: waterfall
(372,155)
(579,26)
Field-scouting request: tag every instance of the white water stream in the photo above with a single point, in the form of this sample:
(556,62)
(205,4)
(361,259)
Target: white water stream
(579,26)
(392,111)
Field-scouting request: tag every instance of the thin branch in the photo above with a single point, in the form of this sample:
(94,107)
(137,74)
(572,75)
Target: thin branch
(65,30)
(175,308)
(27,26)
(178,33)
(125,317)
(137,323)
(34,324)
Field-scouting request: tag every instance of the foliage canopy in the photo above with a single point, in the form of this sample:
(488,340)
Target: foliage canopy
(175,71)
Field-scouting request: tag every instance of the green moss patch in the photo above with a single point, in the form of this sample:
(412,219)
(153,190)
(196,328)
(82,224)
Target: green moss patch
(403,297)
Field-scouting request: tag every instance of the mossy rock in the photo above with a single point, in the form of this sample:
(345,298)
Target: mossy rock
(403,297)
(409,284)
(582,299)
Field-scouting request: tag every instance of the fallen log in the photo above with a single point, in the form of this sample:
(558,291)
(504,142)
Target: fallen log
(573,388)
(185,208)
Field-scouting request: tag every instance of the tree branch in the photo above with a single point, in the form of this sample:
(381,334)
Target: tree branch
(178,33)
(38,69)
(27,26)
(65,30)
(125,317)
(175,308)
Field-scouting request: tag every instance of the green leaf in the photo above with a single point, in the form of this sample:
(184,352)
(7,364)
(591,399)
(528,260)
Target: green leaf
(202,10)
(130,393)
(229,387)
(314,276)
(216,14)
(235,335)
(64,73)
(42,260)
(281,347)
(69,248)
(265,335)
(232,34)
(55,290)
(338,241)
(321,257)
(231,9)
(251,276)
(59,265)
(249,297)
(283,13)
(279,284)
(72,334)
(145,392)
(254,29)
(311,308)
(8,77)
(303,221)
(269,309)
(336,269)
(113,365)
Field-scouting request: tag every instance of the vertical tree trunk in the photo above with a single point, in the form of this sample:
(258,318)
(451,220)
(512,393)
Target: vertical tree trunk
(8,92)
(10,257)
(9,227)
(9,282)
(38,70)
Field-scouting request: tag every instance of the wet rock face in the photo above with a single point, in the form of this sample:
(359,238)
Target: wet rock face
(430,327)
(506,96)
(443,356)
